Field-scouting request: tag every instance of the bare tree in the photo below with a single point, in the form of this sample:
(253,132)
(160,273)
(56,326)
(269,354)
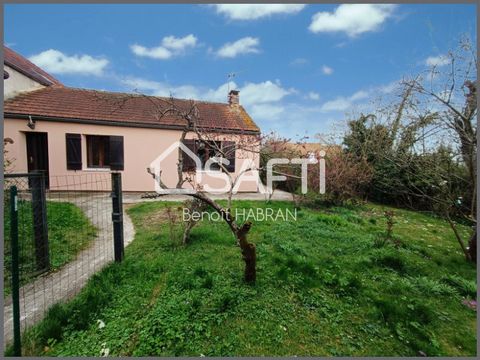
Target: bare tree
(245,145)
(454,94)
(429,139)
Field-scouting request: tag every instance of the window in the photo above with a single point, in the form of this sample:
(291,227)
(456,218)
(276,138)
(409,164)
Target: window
(206,150)
(98,151)
(104,152)
(74,151)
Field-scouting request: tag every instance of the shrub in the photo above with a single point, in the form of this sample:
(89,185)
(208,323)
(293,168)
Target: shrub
(464,287)
(345,178)
(52,326)
(332,220)
(425,285)
(391,260)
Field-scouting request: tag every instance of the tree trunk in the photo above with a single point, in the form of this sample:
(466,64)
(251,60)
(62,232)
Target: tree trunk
(248,249)
(186,232)
(459,239)
(248,252)
(472,247)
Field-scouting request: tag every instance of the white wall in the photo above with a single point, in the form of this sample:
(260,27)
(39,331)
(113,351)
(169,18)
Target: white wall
(17,82)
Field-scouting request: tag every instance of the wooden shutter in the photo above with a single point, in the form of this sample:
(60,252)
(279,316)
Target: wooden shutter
(229,150)
(116,153)
(74,151)
(188,162)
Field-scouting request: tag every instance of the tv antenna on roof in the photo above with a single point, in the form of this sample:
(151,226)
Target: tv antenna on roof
(230,76)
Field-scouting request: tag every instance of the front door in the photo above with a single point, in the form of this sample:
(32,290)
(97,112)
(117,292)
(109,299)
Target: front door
(37,153)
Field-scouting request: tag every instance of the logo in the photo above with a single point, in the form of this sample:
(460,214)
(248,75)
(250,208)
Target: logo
(218,182)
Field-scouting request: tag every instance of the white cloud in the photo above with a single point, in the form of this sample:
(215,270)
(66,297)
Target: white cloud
(266,111)
(250,94)
(352,19)
(158,88)
(299,62)
(170,46)
(440,60)
(262,100)
(155,53)
(359,95)
(313,95)
(246,45)
(174,43)
(327,70)
(338,104)
(388,88)
(56,62)
(268,102)
(256,11)
(264,92)
(342,103)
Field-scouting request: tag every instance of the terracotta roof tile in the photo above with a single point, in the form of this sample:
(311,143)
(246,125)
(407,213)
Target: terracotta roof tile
(64,103)
(26,67)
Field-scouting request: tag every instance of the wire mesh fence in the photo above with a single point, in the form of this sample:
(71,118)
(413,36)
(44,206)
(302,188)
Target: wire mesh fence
(64,235)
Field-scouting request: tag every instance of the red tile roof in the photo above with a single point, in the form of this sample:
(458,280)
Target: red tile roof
(26,67)
(80,105)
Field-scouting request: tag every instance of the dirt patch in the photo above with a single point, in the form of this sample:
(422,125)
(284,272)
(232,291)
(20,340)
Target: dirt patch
(164,215)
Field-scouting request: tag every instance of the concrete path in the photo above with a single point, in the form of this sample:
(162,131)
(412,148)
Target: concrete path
(63,284)
(133,198)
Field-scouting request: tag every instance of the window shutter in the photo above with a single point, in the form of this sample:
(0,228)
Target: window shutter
(188,162)
(74,151)
(229,150)
(116,153)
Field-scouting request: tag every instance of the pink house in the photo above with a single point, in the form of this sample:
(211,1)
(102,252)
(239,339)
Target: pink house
(71,131)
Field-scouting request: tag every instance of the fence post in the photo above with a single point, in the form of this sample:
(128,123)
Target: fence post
(40,229)
(117,216)
(17,347)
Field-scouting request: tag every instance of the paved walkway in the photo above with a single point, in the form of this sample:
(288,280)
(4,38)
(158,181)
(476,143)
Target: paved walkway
(133,198)
(61,285)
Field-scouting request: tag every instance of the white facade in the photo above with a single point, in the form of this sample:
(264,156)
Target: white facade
(17,83)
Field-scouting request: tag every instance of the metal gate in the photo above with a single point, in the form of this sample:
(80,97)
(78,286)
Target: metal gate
(55,240)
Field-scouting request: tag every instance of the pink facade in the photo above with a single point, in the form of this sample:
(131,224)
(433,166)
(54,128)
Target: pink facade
(78,134)
(141,147)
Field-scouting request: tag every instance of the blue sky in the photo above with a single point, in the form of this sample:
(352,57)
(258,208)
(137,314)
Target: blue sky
(300,69)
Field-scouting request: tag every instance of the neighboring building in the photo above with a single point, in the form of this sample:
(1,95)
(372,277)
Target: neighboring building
(20,75)
(70,131)
(302,150)
(314,150)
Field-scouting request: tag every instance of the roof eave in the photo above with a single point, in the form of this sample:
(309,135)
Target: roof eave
(126,124)
(40,78)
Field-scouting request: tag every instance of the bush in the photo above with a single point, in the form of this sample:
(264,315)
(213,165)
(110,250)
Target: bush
(346,179)
(52,326)
(464,287)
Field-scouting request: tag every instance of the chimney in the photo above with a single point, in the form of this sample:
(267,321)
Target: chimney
(233,97)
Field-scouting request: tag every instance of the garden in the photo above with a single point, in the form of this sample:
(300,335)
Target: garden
(337,281)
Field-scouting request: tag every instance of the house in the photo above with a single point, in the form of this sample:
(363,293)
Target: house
(22,75)
(70,131)
(309,150)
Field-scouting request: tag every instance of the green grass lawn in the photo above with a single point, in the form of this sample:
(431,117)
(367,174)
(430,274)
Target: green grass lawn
(325,286)
(69,231)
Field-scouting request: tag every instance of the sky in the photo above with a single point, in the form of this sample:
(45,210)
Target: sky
(301,69)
